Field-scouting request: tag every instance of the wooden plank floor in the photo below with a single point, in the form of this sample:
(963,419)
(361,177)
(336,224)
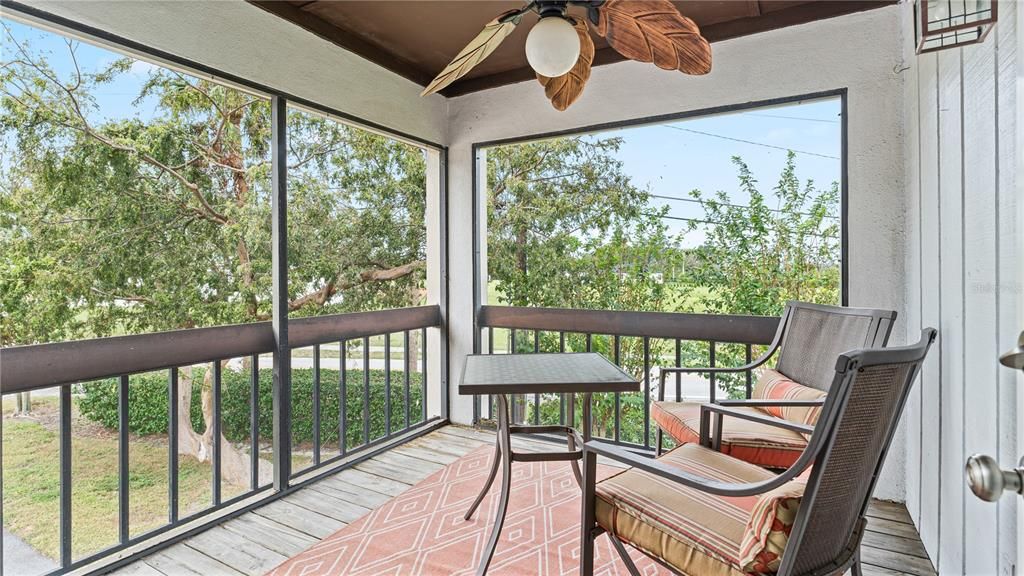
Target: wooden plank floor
(257,541)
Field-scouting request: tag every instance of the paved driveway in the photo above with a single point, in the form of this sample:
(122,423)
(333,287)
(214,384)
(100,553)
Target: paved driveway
(20,559)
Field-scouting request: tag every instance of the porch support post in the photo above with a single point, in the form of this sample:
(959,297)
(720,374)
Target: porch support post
(437,281)
(282,389)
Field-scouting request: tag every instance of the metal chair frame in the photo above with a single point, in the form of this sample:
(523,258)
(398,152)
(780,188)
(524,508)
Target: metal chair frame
(877,335)
(817,452)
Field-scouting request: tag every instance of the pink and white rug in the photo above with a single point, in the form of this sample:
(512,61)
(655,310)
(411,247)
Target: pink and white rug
(422,532)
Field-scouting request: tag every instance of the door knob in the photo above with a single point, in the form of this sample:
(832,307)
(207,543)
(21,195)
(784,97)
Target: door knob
(988,481)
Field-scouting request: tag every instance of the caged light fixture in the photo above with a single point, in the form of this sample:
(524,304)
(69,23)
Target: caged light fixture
(945,24)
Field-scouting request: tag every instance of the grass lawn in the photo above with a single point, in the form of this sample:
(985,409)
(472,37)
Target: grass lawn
(32,488)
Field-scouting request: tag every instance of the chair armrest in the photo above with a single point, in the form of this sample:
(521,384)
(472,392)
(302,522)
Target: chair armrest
(769,420)
(763,403)
(725,370)
(664,371)
(711,370)
(594,448)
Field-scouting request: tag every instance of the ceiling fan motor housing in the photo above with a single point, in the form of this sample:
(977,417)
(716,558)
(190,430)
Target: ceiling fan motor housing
(546,8)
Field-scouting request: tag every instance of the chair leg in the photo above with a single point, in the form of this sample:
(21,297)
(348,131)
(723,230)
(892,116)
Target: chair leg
(624,555)
(658,442)
(588,522)
(855,569)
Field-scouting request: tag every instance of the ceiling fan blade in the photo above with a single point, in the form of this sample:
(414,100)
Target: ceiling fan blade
(567,88)
(486,42)
(654,31)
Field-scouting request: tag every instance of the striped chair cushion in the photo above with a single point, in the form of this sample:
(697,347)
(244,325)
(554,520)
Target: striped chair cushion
(768,528)
(774,385)
(692,531)
(752,442)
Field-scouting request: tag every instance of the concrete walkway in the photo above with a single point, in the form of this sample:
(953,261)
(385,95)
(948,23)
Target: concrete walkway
(20,559)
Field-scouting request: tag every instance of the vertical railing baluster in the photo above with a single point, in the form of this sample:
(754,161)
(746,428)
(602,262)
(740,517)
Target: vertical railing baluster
(423,372)
(316,405)
(711,363)
(517,399)
(679,364)
(387,384)
(590,342)
(750,374)
(172,445)
(366,389)
(490,350)
(537,397)
(616,355)
(407,376)
(343,397)
(561,397)
(216,436)
(122,459)
(254,421)
(65,475)
(647,392)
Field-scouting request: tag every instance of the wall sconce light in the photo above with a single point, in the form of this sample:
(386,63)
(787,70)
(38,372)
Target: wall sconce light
(945,24)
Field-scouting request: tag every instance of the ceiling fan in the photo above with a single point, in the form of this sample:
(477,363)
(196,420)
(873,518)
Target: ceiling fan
(560,50)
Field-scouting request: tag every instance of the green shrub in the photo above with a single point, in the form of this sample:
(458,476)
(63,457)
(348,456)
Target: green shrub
(147,405)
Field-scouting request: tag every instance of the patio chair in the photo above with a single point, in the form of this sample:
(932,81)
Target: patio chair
(808,339)
(703,513)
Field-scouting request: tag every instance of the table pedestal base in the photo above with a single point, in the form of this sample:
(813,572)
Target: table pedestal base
(504,456)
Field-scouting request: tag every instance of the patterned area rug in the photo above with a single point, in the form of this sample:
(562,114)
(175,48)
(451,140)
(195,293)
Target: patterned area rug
(422,532)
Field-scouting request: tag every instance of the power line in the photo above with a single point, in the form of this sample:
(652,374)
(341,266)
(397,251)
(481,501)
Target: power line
(776,210)
(750,142)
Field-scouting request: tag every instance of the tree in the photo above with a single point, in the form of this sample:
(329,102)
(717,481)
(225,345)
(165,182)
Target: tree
(777,247)
(757,256)
(567,228)
(155,222)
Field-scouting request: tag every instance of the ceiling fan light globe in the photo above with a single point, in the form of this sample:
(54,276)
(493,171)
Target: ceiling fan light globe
(553,46)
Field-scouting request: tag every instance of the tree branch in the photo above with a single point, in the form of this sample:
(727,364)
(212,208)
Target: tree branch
(323,295)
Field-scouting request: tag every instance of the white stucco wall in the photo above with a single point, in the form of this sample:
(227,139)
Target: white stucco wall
(241,39)
(859,52)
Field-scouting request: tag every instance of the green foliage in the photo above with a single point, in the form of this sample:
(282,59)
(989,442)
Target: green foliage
(147,406)
(236,405)
(566,228)
(120,222)
(759,257)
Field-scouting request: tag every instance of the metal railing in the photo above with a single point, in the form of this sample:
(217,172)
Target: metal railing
(654,339)
(69,364)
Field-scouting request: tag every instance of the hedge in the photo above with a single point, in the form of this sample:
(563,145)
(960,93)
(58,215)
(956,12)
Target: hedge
(147,405)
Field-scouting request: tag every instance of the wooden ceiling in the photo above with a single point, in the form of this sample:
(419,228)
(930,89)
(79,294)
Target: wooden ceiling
(417,38)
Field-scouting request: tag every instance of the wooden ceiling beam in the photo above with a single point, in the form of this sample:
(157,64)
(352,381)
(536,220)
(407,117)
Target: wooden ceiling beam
(767,18)
(346,40)
(714,33)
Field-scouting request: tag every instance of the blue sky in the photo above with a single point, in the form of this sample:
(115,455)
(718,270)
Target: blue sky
(667,159)
(673,159)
